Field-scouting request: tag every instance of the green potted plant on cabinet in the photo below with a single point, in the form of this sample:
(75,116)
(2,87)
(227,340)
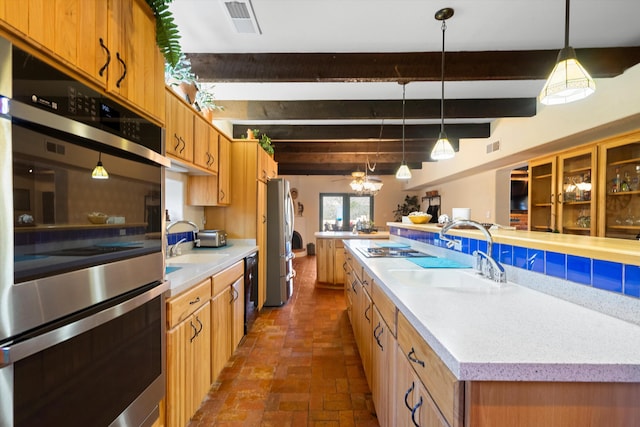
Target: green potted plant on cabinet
(181,79)
(206,103)
(263,140)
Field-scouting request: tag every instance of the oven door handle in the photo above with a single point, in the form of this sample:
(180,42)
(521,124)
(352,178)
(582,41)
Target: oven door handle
(12,352)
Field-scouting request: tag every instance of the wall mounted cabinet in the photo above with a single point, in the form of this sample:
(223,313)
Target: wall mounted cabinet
(562,193)
(110,45)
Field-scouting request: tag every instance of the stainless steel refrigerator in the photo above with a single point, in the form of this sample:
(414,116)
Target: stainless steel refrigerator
(280,271)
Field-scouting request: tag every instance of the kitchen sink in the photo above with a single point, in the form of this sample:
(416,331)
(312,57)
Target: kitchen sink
(450,279)
(199,258)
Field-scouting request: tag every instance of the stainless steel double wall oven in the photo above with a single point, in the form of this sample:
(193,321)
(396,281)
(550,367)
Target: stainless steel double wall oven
(82,313)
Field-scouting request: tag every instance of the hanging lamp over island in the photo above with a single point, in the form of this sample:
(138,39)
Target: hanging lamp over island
(403,172)
(443,149)
(569,81)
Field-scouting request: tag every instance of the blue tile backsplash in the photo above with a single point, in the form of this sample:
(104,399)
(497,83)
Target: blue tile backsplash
(606,275)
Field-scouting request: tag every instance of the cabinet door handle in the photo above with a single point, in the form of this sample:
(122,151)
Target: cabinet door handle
(414,410)
(175,147)
(344,266)
(201,326)
(124,72)
(365,313)
(264,219)
(553,198)
(378,338)
(375,329)
(108,61)
(195,301)
(222,195)
(184,145)
(559,197)
(414,359)
(195,332)
(406,396)
(353,286)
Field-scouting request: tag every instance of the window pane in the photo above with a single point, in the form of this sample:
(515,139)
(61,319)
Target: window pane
(332,211)
(359,209)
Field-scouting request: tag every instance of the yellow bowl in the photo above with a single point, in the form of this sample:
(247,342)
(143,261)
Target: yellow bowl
(97,218)
(420,219)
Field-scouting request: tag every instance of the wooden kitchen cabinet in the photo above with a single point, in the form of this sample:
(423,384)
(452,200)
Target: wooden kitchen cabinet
(246,216)
(111,44)
(205,148)
(363,326)
(440,383)
(224,171)
(227,315)
(561,192)
(413,403)
(212,190)
(267,167)
(619,187)
(329,261)
(383,369)
(188,353)
(179,127)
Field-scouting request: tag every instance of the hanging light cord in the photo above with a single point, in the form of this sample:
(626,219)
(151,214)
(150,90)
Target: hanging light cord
(566,24)
(404,86)
(373,168)
(444,27)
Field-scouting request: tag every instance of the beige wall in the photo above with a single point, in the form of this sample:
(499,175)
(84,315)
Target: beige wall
(310,187)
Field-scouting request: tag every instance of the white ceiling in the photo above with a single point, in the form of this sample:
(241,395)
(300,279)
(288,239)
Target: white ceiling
(401,26)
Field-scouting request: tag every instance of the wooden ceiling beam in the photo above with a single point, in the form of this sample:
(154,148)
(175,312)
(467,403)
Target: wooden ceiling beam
(318,133)
(343,169)
(406,66)
(376,109)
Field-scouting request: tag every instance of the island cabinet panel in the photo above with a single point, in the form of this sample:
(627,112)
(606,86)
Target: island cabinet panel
(383,356)
(441,384)
(330,261)
(414,405)
(552,404)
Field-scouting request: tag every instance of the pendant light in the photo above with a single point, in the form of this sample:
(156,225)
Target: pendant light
(568,81)
(443,150)
(403,171)
(99,172)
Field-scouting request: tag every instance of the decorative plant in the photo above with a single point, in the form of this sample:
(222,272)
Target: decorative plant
(263,140)
(205,99)
(180,72)
(167,35)
(410,204)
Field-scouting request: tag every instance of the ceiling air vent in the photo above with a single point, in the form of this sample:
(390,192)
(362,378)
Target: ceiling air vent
(242,16)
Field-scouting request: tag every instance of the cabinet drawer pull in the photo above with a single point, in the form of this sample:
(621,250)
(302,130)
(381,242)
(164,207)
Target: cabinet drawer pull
(195,332)
(108,61)
(414,410)
(377,337)
(406,396)
(365,313)
(175,147)
(124,72)
(222,196)
(195,301)
(414,359)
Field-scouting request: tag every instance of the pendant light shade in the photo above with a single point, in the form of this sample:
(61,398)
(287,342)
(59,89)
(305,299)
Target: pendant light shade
(403,172)
(568,81)
(99,172)
(443,149)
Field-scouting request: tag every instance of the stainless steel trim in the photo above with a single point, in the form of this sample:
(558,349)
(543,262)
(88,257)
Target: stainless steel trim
(35,115)
(22,306)
(15,352)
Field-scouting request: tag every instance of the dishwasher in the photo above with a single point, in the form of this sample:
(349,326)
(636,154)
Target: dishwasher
(251,291)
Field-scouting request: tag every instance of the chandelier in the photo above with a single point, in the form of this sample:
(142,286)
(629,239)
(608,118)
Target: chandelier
(365,185)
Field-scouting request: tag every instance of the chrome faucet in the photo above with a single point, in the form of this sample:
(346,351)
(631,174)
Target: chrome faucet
(485,264)
(174,250)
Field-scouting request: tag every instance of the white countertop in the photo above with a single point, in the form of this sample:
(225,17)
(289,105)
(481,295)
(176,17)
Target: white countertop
(190,274)
(351,235)
(485,332)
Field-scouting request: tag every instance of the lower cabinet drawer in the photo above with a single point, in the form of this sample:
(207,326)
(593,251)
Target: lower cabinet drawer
(182,305)
(442,385)
(227,277)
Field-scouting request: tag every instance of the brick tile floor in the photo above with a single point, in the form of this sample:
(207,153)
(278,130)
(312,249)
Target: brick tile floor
(298,366)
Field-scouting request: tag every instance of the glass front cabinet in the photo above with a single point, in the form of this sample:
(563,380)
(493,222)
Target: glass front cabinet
(619,200)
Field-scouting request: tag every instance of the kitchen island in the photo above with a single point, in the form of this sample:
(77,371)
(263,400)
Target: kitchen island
(494,354)
(330,254)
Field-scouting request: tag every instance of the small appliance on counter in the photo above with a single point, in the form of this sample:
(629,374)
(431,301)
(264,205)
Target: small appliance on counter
(212,238)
